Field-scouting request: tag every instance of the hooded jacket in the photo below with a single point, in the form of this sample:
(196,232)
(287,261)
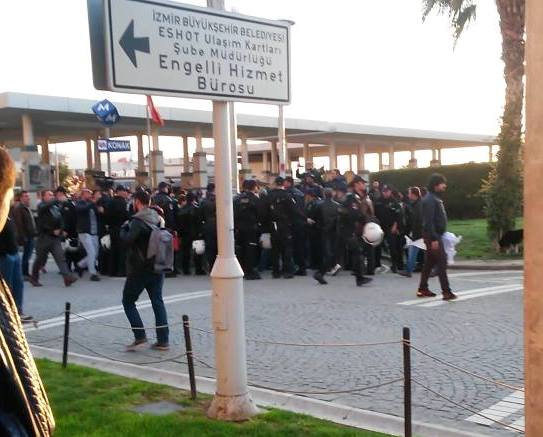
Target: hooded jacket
(135,236)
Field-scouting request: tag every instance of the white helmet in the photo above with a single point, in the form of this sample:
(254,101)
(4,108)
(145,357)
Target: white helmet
(373,234)
(105,241)
(199,246)
(265,241)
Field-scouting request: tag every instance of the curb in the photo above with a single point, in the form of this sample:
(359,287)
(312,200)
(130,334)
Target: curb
(493,267)
(341,414)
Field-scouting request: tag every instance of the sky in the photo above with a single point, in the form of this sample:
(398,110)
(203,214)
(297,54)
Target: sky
(357,61)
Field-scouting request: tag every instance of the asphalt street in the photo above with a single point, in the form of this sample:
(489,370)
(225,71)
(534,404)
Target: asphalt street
(479,334)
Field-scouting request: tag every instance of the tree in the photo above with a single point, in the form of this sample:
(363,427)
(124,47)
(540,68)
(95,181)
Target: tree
(502,190)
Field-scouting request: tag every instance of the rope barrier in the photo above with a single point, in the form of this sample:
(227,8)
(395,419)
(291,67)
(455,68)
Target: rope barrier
(109,325)
(471,410)
(484,378)
(88,349)
(282,343)
(332,392)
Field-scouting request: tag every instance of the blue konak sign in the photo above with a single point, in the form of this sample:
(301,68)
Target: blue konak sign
(113,145)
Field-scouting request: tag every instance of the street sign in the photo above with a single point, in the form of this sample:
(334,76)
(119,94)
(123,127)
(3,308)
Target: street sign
(106,145)
(173,49)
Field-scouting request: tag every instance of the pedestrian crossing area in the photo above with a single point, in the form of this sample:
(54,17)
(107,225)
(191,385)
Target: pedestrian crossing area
(465,295)
(509,412)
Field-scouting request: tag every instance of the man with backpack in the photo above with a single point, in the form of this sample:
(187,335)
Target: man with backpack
(148,255)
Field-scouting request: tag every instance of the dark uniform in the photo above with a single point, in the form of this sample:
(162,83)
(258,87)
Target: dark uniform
(299,235)
(388,211)
(187,225)
(326,218)
(247,218)
(207,212)
(168,205)
(116,214)
(281,211)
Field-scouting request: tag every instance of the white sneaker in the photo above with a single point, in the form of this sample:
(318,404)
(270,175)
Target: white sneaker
(334,270)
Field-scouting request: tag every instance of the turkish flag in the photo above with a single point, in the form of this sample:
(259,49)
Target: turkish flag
(155,115)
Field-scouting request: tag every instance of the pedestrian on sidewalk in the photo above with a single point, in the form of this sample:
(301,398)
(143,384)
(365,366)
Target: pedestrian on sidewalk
(87,233)
(26,229)
(414,229)
(140,274)
(50,234)
(434,225)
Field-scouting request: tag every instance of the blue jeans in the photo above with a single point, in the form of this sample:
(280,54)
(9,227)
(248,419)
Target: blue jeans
(412,252)
(10,268)
(28,248)
(133,288)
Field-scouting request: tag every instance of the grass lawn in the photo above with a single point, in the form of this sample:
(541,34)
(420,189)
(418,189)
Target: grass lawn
(475,243)
(87,402)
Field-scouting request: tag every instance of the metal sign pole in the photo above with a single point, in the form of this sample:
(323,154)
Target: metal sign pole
(232,400)
(282,142)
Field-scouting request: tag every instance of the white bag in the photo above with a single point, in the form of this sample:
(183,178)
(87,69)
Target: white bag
(417,243)
(105,241)
(449,245)
(265,241)
(199,246)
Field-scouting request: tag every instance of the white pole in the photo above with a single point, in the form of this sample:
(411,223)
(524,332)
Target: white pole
(232,400)
(234,148)
(282,142)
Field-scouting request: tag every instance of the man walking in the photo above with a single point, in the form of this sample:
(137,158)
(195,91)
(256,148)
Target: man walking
(87,232)
(434,225)
(50,233)
(140,274)
(25,228)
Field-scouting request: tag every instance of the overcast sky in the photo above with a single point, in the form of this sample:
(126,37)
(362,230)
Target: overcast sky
(364,61)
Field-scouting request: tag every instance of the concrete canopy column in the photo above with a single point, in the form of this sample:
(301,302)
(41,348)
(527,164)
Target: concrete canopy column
(88,144)
(361,158)
(391,158)
(142,177)
(490,154)
(45,159)
(333,155)
(413,161)
(30,154)
(199,162)
(97,158)
(245,169)
(308,162)
(186,174)
(435,162)
(274,160)
(157,160)
(380,155)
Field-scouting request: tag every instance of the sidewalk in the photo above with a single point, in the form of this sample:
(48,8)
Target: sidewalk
(496,264)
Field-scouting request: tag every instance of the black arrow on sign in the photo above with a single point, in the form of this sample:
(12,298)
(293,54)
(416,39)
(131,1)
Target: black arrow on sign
(130,44)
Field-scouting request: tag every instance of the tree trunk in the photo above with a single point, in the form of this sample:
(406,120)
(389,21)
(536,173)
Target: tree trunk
(504,197)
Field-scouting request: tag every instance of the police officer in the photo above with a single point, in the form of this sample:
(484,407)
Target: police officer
(299,234)
(388,211)
(164,200)
(281,210)
(326,218)
(247,218)
(116,211)
(208,224)
(357,211)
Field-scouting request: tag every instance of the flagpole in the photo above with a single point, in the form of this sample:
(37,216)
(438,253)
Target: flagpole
(150,155)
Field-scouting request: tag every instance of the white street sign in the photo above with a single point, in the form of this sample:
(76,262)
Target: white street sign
(169,48)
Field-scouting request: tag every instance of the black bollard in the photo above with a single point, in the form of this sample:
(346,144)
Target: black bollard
(66,334)
(190,360)
(407,381)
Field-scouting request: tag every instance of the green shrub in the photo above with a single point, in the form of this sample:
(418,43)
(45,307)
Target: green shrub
(462,198)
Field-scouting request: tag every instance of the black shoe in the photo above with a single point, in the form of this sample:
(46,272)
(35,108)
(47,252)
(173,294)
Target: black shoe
(361,280)
(95,278)
(393,269)
(319,278)
(301,272)
(404,273)
(288,276)
(171,275)
(79,270)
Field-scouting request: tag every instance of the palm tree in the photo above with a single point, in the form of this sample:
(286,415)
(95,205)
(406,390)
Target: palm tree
(502,190)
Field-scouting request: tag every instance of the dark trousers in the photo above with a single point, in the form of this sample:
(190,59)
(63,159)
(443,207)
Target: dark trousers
(44,245)
(186,252)
(298,245)
(370,253)
(117,254)
(133,287)
(341,247)
(438,259)
(210,238)
(10,270)
(327,249)
(281,251)
(28,248)
(356,252)
(247,248)
(394,242)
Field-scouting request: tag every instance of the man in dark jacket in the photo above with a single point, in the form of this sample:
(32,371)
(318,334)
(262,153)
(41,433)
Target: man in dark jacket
(187,227)
(247,218)
(163,199)
(87,233)
(388,212)
(208,224)
(140,274)
(326,219)
(413,228)
(25,228)
(116,214)
(299,234)
(434,225)
(50,233)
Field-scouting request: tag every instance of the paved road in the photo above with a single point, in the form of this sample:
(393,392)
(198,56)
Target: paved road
(481,332)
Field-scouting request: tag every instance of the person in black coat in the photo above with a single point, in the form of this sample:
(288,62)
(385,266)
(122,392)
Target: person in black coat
(187,225)
(116,214)
(413,228)
(326,220)
(207,212)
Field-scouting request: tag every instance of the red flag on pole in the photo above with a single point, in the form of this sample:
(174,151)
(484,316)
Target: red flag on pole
(155,115)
